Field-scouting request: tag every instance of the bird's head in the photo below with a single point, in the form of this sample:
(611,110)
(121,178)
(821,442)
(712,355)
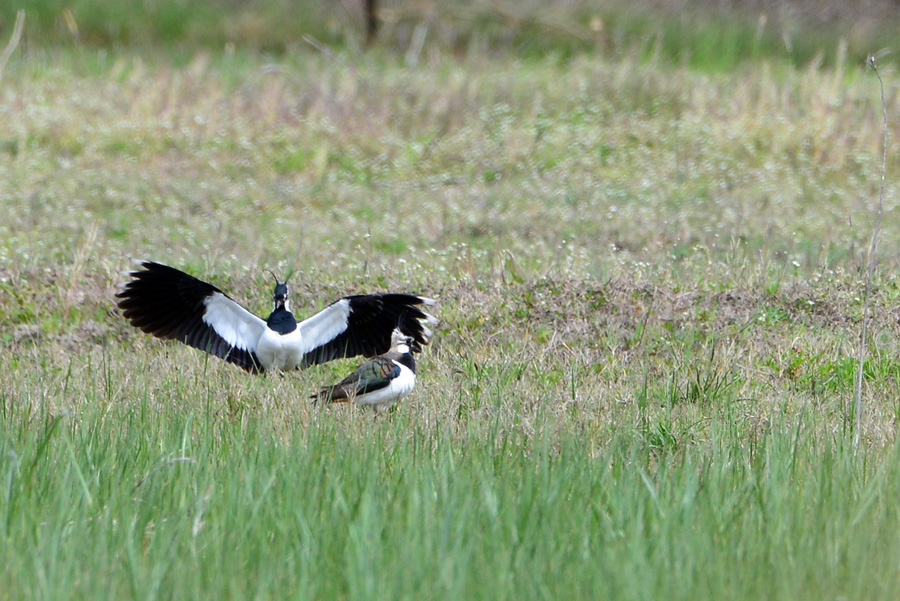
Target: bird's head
(399,336)
(280,296)
(403,343)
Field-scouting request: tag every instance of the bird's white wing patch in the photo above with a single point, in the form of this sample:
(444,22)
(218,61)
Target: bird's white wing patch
(324,326)
(237,326)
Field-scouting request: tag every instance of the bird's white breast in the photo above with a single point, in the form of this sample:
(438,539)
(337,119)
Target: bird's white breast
(399,387)
(280,352)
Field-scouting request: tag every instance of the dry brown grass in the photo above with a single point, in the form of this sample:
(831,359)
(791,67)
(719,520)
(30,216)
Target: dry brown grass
(611,243)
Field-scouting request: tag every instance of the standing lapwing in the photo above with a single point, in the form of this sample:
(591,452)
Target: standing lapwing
(379,382)
(171,304)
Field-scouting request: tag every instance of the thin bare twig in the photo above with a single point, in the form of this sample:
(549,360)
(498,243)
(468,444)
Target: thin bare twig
(325,50)
(13,41)
(870,61)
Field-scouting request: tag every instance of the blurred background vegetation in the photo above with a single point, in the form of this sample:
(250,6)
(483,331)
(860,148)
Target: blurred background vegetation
(702,34)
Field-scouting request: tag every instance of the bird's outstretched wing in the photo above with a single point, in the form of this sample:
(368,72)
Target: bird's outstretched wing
(362,325)
(170,304)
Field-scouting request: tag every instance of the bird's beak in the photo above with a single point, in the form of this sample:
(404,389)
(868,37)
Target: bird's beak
(414,346)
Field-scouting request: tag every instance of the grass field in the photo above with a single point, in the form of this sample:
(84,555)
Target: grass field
(649,279)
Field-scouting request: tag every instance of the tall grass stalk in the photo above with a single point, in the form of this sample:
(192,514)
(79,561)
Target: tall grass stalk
(13,41)
(870,266)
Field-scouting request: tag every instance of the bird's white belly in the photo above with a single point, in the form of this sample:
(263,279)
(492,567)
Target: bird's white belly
(399,387)
(275,351)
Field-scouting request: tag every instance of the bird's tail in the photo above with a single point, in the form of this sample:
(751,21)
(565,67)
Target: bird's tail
(330,394)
